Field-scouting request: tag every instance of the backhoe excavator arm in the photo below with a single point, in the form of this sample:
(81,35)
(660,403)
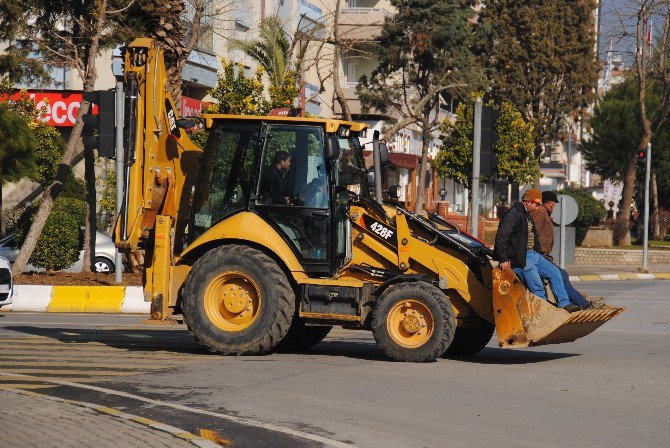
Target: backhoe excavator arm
(160,167)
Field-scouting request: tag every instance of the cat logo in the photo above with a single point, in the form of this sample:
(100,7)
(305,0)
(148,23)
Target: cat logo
(172,119)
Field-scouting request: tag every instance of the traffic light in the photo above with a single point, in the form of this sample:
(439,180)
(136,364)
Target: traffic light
(488,159)
(642,158)
(99,132)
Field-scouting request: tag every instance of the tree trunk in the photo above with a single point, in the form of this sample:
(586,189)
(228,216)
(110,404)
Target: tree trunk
(89,232)
(337,88)
(71,150)
(621,226)
(621,233)
(655,223)
(425,145)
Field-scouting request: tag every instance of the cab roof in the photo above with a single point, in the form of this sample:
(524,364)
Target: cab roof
(331,125)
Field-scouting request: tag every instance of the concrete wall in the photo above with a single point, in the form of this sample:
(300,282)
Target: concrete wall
(586,256)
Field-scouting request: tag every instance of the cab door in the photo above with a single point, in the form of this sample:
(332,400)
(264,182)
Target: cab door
(294,197)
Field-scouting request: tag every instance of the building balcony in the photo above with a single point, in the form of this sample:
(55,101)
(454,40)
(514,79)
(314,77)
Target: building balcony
(362,24)
(555,170)
(355,103)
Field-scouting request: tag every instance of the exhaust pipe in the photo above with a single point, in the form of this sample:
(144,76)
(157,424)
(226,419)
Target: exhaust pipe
(377,158)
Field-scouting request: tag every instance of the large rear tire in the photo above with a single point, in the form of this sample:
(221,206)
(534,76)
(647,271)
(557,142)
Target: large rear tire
(470,340)
(237,301)
(413,322)
(301,337)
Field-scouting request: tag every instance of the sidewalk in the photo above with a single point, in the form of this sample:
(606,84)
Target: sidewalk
(617,272)
(35,420)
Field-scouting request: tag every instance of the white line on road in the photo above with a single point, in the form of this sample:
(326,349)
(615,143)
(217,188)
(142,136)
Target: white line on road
(240,420)
(617,291)
(138,325)
(634,331)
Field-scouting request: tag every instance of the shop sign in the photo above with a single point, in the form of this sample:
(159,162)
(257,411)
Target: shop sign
(59,108)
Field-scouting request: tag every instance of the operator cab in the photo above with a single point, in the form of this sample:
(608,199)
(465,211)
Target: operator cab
(297,174)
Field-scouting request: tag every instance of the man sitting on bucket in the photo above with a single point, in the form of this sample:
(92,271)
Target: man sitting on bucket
(545,231)
(517,247)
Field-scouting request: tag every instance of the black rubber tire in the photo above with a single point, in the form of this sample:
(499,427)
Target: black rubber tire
(471,340)
(102,265)
(443,315)
(274,315)
(301,337)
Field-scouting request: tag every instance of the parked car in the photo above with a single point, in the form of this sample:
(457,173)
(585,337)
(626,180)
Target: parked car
(103,260)
(6,283)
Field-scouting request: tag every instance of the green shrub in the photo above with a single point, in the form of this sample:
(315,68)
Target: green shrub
(58,245)
(591,212)
(73,188)
(75,207)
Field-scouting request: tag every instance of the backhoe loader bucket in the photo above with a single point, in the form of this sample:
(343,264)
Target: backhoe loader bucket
(524,320)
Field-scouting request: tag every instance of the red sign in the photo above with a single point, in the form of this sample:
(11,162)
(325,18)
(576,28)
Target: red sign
(60,108)
(190,107)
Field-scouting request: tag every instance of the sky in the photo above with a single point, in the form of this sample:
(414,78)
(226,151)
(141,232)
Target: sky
(618,18)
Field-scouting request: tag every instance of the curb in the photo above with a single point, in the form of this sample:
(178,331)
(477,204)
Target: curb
(622,276)
(115,413)
(79,299)
(130,299)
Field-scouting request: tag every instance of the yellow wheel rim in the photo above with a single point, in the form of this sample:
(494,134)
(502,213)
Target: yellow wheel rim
(410,323)
(232,301)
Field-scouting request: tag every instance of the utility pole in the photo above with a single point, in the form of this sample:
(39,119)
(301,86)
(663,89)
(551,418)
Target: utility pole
(645,243)
(118,263)
(476,148)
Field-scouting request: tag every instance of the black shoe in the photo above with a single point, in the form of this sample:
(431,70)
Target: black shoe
(572,308)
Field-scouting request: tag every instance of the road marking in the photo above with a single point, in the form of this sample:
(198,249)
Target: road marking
(46,363)
(114,413)
(68,372)
(635,331)
(240,420)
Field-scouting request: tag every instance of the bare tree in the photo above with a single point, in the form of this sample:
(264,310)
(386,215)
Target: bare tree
(75,45)
(652,71)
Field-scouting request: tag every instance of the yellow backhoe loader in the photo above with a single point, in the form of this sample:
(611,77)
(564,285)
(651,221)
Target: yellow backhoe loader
(271,235)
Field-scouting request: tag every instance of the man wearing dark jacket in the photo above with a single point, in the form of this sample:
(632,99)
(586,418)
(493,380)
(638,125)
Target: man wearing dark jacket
(545,229)
(517,247)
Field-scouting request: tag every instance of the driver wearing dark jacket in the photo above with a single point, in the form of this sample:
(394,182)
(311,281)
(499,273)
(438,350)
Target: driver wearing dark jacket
(517,247)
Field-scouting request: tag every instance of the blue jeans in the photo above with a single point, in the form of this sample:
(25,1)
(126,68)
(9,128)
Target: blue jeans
(538,267)
(575,296)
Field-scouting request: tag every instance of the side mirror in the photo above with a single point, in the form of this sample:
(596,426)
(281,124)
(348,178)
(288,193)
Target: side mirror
(185,123)
(394,192)
(331,148)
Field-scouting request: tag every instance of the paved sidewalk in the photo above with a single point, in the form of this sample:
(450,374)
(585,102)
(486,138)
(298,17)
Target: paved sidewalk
(35,420)
(617,272)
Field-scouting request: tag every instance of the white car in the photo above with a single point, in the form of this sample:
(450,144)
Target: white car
(103,262)
(6,282)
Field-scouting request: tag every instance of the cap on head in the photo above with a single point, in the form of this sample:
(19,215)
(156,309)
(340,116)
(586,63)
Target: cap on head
(532,195)
(549,196)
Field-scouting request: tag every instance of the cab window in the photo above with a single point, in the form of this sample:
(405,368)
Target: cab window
(225,182)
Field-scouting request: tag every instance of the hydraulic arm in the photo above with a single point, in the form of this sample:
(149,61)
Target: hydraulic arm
(161,163)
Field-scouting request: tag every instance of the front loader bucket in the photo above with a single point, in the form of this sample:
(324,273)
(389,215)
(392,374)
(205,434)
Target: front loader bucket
(524,320)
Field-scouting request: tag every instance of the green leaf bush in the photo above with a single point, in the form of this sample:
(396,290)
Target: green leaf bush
(58,245)
(73,206)
(591,212)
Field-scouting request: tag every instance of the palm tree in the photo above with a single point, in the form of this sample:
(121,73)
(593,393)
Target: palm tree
(273,50)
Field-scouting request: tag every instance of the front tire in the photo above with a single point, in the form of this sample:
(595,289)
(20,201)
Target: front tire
(413,322)
(301,337)
(470,340)
(238,301)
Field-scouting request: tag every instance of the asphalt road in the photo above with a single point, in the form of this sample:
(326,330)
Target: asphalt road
(607,389)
